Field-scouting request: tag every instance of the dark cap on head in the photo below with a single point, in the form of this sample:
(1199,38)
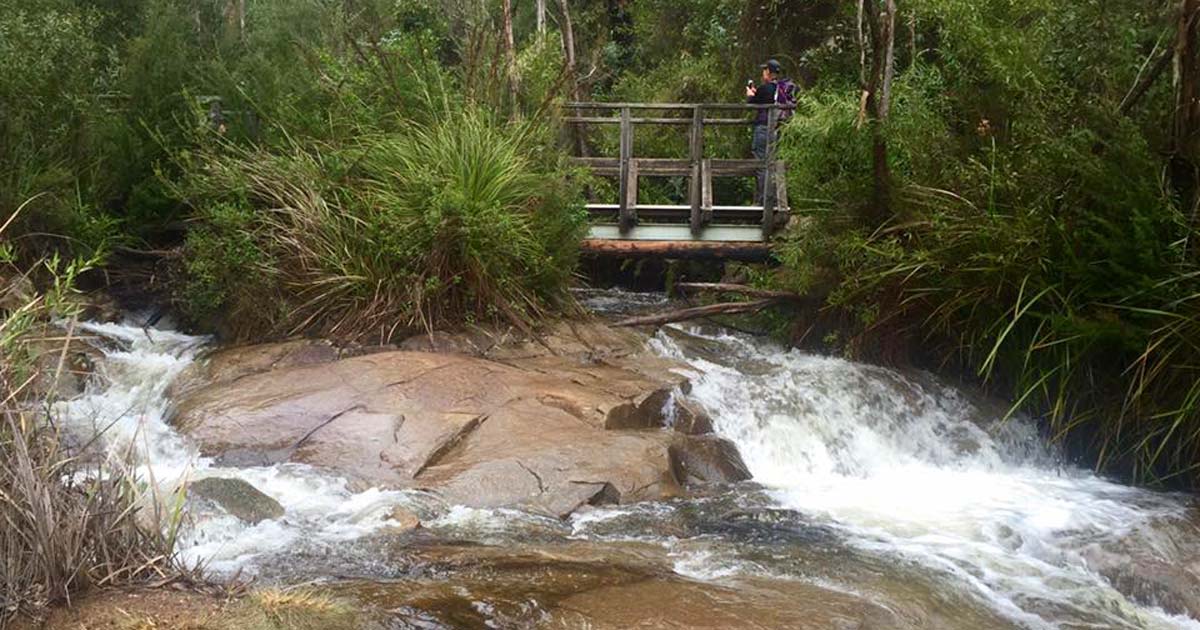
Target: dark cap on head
(773,66)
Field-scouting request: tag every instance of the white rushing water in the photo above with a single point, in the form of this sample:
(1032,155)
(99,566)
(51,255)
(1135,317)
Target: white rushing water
(915,472)
(128,406)
(901,468)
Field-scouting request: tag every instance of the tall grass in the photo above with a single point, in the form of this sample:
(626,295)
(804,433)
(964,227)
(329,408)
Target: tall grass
(69,517)
(468,218)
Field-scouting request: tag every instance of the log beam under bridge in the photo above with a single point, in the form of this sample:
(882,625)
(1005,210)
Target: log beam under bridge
(746,251)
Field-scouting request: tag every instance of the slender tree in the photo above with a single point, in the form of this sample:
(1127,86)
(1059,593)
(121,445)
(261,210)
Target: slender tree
(879,46)
(568,32)
(510,56)
(1185,158)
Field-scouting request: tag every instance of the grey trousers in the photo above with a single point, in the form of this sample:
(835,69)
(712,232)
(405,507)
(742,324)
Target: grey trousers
(763,193)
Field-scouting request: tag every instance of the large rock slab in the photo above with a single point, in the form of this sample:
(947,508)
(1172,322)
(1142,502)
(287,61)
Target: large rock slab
(525,427)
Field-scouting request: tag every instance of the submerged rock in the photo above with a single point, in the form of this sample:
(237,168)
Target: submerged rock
(237,497)
(632,585)
(547,432)
(1156,564)
(402,520)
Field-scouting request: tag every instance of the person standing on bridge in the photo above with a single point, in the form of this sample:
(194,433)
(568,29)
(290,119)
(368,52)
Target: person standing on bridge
(774,90)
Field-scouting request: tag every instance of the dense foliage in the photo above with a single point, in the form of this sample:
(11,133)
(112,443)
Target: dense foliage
(330,168)
(1036,235)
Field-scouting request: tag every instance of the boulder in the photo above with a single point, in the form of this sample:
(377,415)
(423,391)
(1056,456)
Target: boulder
(527,428)
(652,411)
(690,418)
(237,497)
(707,459)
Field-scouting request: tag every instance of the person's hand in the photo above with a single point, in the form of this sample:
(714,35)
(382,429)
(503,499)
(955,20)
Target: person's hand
(751,90)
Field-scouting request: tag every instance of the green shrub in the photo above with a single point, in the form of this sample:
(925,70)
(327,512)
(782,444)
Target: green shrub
(469,218)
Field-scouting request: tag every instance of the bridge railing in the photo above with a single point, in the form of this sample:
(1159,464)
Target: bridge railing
(696,167)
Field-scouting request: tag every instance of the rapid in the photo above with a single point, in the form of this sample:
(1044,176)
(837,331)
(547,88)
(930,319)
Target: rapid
(887,486)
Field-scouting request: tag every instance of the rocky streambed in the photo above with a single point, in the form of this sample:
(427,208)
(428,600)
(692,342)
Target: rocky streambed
(605,479)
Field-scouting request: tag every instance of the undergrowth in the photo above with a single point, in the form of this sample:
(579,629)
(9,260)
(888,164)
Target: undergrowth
(70,516)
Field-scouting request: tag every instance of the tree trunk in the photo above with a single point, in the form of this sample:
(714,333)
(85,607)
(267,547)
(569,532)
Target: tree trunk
(568,33)
(881,18)
(1185,160)
(510,57)
(541,16)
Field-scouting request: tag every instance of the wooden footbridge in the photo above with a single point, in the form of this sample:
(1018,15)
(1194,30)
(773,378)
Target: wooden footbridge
(699,228)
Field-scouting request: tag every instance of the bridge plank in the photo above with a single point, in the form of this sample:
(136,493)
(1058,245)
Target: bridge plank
(677,232)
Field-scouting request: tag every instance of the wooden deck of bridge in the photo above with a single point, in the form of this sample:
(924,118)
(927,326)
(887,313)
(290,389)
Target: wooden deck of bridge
(698,229)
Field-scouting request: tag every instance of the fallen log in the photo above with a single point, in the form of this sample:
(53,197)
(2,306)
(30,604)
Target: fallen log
(697,312)
(740,289)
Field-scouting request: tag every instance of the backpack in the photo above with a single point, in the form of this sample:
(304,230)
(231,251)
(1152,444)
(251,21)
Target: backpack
(786,92)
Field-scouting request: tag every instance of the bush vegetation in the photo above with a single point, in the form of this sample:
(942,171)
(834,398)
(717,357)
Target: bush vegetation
(360,169)
(1036,236)
(462,219)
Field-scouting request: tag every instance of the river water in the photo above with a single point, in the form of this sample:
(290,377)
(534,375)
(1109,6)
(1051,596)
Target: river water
(887,487)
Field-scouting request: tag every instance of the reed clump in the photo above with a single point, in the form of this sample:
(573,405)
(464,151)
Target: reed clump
(70,516)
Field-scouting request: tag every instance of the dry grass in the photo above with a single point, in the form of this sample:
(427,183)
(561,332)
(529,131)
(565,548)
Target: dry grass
(67,518)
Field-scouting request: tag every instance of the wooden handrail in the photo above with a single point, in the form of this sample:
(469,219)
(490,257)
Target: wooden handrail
(679,106)
(700,171)
(613,120)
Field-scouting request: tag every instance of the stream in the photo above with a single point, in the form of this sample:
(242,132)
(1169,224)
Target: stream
(872,490)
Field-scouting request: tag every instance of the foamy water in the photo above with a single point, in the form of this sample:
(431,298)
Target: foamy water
(900,468)
(127,405)
(905,470)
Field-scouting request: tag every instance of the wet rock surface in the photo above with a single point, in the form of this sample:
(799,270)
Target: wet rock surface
(707,459)
(237,497)
(1156,565)
(625,586)
(546,431)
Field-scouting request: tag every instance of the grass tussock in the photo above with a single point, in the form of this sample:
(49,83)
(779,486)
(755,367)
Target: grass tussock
(466,219)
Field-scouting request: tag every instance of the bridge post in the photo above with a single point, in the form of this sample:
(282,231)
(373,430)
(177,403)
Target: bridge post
(627,197)
(769,199)
(706,190)
(696,182)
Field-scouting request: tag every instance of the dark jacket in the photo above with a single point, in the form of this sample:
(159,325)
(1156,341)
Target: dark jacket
(764,96)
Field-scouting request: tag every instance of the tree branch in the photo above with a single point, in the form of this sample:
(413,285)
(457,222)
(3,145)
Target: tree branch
(697,312)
